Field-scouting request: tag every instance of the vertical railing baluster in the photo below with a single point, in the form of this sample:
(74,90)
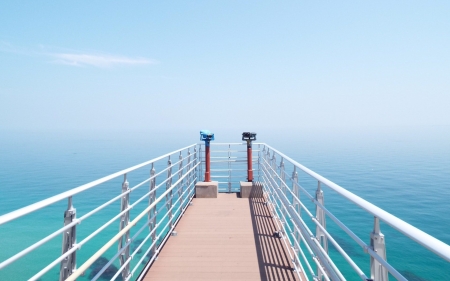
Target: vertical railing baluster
(68,264)
(284,190)
(259,163)
(189,176)
(297,207)
(274,165)
(125,219)
(282,176)
(180,174)
(296,191)
(196,173)
(268,163)
(169,195)
(200,167)
(320,216)
(229,168)
(378,245)
(152,214)
(266,155)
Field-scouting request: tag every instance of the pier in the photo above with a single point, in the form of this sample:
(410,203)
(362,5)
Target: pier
(228,238)
(172,228)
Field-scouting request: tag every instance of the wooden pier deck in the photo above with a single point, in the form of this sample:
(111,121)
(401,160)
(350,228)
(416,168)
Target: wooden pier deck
(227,238)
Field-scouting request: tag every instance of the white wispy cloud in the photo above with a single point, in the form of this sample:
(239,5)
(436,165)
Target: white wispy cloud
(98,60)
(75,58)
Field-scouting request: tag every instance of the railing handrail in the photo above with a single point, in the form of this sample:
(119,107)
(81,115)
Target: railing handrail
(433,244)
(132,223)
(230,143)
(51,200)
(269,170)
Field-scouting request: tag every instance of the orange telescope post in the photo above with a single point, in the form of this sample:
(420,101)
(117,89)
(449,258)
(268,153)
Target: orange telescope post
(249,137)
(207,137)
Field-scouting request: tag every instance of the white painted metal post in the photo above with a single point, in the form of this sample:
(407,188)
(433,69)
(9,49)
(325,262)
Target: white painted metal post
(259,163)
(267,166)
(169,195)
(152,213)
(68,264)
(124,221)
(196,174)
(189,176)
(296,191)
(282,176)
(297,207)
(378,245)
(229,168)
(284,190)
(274,165)
(180,174)
(264,155)
(320,216)
(200,167)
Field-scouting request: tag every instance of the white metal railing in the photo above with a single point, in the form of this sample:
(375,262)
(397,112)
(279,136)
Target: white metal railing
(228,164)
(171,179)
(170,190)
(283,194)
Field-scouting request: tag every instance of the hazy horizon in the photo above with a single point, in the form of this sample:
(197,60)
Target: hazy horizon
(333,69)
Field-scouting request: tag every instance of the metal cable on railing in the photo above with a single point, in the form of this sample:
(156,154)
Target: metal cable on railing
(187,177)
(272,174)
(171,189)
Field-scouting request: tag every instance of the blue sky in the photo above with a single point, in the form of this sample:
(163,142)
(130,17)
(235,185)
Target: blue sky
(357,66)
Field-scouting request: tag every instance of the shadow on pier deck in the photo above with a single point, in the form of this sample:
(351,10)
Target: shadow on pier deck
(228,238)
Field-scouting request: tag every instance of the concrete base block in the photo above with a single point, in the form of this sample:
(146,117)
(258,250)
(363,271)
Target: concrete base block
(251,189)
(206,189)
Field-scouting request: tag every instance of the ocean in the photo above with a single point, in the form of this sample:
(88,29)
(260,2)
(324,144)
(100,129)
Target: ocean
(408,177)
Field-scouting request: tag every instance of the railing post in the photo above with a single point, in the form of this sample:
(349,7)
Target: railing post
(378,245)
(169,195)
(259,163)
(229,168)
(196,160)
(152,213)
(268,162)
(68,264)
(296,205)
(188,167)
(180,174)
(200,169)
(274,164)
(284,190)
(296,191)
(320,216)
(282,176)
(125,219)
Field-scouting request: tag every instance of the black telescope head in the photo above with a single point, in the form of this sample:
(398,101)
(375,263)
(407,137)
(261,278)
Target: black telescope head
(247,136)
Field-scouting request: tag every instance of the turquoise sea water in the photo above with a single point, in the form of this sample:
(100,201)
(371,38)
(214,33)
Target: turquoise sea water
(410,179)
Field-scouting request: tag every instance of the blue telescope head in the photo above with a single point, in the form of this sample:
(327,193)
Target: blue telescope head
(206,136)
(248,136)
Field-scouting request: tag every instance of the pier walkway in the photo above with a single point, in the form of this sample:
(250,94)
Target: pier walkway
(228,238)
(147,223)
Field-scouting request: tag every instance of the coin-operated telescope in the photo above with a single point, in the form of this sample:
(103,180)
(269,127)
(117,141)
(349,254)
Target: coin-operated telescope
(207,137)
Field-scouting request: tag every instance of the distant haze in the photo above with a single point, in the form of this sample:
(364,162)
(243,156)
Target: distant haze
(347,69)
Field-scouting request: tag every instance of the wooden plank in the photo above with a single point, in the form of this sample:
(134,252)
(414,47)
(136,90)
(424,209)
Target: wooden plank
(227,238)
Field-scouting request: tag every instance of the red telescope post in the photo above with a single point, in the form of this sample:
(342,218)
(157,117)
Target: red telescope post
(207,137)
(249,137)
(249,161)
(207,164)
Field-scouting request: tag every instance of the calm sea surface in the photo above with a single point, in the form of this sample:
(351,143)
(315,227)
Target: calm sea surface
(409,179)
